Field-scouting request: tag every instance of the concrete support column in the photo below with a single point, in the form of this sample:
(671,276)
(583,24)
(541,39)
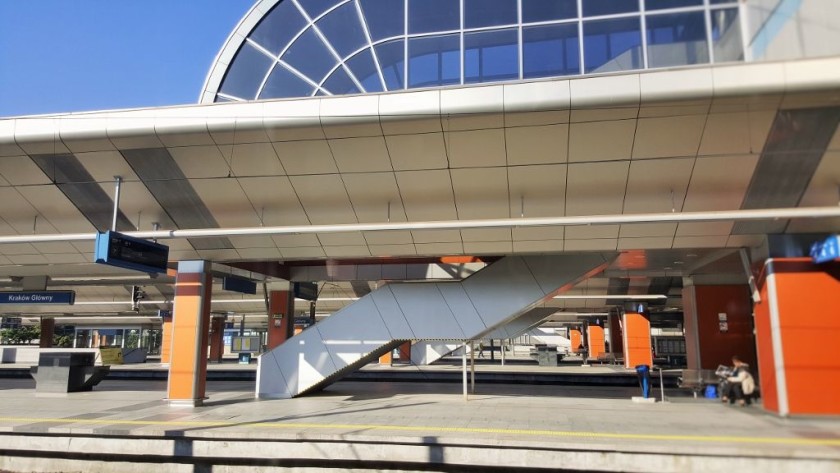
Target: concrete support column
(166,338)
(797,330)
(718,325)
(217,339)
(616,337)
(575,338)
(47,332)
(595,340)
(190,334)
(281,317)
(636,339)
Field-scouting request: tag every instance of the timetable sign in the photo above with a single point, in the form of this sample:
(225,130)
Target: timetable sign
(123,251)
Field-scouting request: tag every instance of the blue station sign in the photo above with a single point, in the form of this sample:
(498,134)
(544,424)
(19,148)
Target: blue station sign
(122,251)
(826,250)
(38,297)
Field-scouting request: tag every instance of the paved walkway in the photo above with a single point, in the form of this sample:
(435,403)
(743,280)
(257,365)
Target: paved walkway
(397,425)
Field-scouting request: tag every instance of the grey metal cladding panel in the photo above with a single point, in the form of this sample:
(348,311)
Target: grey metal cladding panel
(362,313)
(167,183)
(523,323)
(555,271)
(426,311)
(360,288)
(661,285)
(76,183)
(461,305)
(502,289)
(391,313)
(618,286)
(795,146)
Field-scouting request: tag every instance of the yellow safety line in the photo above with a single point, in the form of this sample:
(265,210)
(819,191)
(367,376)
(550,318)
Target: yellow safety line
(835,442)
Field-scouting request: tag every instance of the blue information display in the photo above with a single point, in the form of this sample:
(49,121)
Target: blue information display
(38,297)
(826,250)
(123,251)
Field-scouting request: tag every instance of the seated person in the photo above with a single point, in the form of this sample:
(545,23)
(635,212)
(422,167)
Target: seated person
(740,384)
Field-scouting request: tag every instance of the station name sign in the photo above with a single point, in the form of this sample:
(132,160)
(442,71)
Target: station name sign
(39,297)
(826,250)
(122,251)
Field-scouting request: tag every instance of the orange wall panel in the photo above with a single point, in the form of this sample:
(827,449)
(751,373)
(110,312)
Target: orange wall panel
(637,347)
(596,340)
(764,350)
(575,337)
(166,339)
(190,333)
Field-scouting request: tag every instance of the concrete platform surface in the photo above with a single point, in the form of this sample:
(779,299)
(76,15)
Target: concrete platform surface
(127,426)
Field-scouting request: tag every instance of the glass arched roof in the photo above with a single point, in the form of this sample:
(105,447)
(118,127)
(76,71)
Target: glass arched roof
(302,48)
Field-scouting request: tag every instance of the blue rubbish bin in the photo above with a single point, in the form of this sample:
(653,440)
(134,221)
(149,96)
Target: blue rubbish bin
(711,392)
(643,371)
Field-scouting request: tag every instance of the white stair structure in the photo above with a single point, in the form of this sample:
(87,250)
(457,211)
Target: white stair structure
(381,320)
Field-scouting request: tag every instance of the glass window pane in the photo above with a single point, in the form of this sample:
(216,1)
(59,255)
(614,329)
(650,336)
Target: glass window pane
(491,56)
(550,51)
(542,10)
(428,16)
(246,73)
(284,83)
(310,56)
(434,60)
(677,39)
(219,98)
(726,35)
(385,18)
(612,45)
(609,7)
(365,70)
(279,27)
(663,4)
(478,13)
(315,7)
(343,29)
(339,83)
(391,57)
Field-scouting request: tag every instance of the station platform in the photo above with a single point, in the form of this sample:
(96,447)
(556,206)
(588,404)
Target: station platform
(126,425)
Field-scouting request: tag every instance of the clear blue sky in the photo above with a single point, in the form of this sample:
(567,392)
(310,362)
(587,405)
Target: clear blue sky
(76,55)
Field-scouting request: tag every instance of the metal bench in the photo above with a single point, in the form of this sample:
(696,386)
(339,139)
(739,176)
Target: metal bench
(697,380)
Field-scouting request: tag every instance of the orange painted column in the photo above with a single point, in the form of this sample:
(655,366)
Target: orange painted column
(281,306)
(797,334)
(637,347)
(595,340)
(718,325)
(47,332)
(616,336)
(166,337)
(576,338)
(217,339)
(405,351)
(190,333)
(386,359)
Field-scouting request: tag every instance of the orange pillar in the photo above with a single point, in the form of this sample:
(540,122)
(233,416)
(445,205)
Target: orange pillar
(797,333)
(616,337)
(575,338)
(637,348)
(718,325)
(281,306)
(386,359)
(217,339)
(47,332)
(166,337)
(595,335)
(190,333)
(405,352)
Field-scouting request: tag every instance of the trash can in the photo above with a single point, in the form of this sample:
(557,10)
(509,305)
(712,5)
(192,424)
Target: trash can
(643,371)
(711,392)
(244,358)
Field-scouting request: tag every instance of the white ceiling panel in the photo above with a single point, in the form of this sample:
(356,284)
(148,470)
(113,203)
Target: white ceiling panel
(21,170)
(342,239)
(55,247)
(452,248)
(436,236)
(67,258)
(657,185)
(84,133)
(537,191)
(687,229)
(361,154)
(552,117)
(822,191)
(306,157)
(488,247)
(294,241)
(5,228)
(200,161)
(645,243)
(226,201)
(604,114)
(219,255)
(601,141)
(259,253)
(416,152)
(537,144)
(538,233)
(744,241)
(375,197)
(480,121)
(719,183)
(540,246)
(596,188)
(4,261)
(727,133)
(673,109)
(261,241)
(275,200)
(324,199)
(834,144)
(392,250)
(21,215)
(27,259)
(252,159)
(395,237)
(349,116)
(292,120)
(648,230)
(360,251)
(714,241)
(668,136)
(427,195)
(481,193)
(104,165)
(479,148)
(21,249)
(473,235)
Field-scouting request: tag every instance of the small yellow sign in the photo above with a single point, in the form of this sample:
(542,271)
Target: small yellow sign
(111,355)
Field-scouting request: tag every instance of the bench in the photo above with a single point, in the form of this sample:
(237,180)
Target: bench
(697,380)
